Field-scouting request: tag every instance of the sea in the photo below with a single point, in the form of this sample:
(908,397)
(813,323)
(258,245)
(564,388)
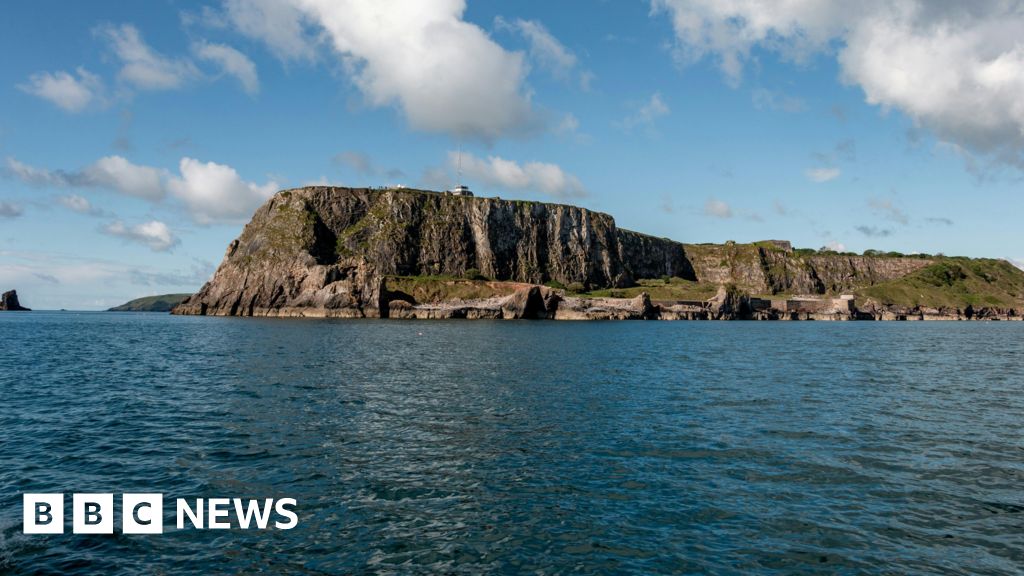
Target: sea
(508,447)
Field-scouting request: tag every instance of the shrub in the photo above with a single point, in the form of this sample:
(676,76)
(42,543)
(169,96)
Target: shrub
(576,287)
(474,274)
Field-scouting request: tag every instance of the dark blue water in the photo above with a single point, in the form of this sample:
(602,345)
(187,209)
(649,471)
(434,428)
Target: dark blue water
(548,447)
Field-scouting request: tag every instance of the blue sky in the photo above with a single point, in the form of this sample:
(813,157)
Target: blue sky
(137,138)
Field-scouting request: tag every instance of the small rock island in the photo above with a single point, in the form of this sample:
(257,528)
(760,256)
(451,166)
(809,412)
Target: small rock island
(401,253)
(9,302)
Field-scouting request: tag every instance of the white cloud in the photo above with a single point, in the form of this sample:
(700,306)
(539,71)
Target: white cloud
(110,172)
(956,68)
(442,73)
(210,192)
(1018,262)
(505,174)
(10,210)
(568,125)
(142,67)
(546,50)
(280,25)
(154,234)
(34,176)
(64,90)
(79,204)
(215,192)
(717,208)
(117,173)
(821,175)
(835,246)
(647,112)
(231,62)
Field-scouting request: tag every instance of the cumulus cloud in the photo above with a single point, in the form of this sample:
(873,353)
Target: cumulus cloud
(647,112)
(282,26)
(32,175)
(79,204)
(10,210)
(442,73)
(117,173)
(874,231)
(821,175)
(154,234)
(68,92)
(505,174)
(546,50)
(216,193)
(231,62)
(717,208)
(956,68)
(141,66)
(210,192)
(111,172)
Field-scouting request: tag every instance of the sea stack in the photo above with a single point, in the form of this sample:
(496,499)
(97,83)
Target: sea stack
(9,302)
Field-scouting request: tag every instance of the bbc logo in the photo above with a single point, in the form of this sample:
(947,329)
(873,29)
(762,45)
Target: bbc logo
(143,513)
(93,513)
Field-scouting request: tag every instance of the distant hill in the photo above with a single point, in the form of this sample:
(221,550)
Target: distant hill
(161,303)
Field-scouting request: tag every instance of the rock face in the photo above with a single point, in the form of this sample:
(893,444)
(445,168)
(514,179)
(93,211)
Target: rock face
(9,302)
(322,251)
(400,253)
(775,270)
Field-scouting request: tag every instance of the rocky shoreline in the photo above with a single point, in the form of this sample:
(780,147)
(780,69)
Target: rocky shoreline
(526,301)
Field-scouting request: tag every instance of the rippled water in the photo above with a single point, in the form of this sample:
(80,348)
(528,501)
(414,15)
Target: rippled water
(551,447)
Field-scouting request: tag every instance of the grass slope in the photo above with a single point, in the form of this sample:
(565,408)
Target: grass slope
(161,303)
(954,282)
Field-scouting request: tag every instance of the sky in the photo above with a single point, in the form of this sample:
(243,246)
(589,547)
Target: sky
(136,138)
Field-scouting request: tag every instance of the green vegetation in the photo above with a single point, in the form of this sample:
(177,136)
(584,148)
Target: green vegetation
(474,274)
(659,289)
(161,303)
(954,282)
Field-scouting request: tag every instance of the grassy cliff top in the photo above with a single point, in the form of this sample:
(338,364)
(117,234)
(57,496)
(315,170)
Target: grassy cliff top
(442,193)
(954,282)
(160,303)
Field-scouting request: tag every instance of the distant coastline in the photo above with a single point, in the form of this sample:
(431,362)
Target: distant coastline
(159,303)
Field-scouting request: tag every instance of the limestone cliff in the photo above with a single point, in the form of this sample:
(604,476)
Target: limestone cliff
(344,252)
(767,269)
(327,251)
